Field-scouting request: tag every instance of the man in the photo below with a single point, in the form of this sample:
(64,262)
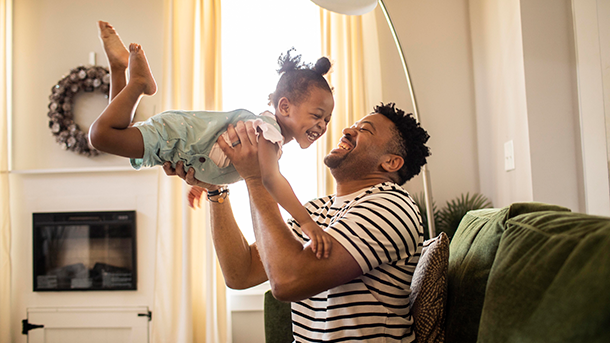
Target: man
(360,292)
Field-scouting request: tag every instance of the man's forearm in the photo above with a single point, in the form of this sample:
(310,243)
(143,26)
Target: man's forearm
(279,250)
(239,261)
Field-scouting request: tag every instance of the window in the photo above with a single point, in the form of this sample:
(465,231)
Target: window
(254,35)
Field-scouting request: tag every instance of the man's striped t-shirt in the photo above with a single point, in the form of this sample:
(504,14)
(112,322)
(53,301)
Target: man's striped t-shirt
(381,228)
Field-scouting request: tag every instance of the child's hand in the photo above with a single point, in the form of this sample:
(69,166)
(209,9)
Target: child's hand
(320,240)
(195,194)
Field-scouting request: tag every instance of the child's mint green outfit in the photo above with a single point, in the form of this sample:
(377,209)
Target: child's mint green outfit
(190,137)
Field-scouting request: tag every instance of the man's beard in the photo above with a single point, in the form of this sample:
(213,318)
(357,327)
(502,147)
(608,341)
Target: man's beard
(332,161)
(341,167)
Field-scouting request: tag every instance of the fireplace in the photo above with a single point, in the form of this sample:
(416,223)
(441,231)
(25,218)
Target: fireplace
(84,251)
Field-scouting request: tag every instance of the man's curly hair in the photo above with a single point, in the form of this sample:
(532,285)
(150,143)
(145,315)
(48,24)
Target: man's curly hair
(409,141)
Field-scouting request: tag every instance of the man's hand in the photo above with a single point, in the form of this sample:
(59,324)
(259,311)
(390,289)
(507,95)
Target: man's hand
(197,188)
(188,177)
(243,155)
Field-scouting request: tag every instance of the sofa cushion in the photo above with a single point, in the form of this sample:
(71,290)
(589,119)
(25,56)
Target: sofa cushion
(550,281)
(471,255)
(429,290)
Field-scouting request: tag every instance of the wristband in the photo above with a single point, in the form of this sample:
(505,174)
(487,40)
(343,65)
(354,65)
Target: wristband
(221,194)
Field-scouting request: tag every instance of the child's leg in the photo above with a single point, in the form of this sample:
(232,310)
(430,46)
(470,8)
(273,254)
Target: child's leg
(111,132)
(117,55)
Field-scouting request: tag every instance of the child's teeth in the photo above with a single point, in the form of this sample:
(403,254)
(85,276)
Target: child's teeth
(312,135)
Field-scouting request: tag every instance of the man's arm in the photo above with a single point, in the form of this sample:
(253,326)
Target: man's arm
(239,261)
(293,269)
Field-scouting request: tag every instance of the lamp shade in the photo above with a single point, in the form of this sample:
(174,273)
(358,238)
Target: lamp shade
(349,7)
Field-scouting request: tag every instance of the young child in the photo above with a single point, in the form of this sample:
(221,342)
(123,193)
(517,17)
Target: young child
(303,103)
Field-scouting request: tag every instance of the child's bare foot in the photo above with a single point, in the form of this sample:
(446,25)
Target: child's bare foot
(139,70)
(116,52)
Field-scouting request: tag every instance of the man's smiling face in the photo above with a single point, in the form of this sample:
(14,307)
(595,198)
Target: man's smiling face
(362,147)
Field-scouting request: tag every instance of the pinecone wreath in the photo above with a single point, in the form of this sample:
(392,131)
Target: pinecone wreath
(61,119)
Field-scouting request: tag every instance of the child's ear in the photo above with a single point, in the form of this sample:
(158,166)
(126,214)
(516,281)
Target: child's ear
(392,163)
(283,106)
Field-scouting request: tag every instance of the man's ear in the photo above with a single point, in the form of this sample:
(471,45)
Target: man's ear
(392,163)
(283,106)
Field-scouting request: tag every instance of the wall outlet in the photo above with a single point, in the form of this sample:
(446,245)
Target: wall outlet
(509,156)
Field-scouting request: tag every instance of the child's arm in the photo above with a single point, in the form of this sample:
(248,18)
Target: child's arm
(282,192)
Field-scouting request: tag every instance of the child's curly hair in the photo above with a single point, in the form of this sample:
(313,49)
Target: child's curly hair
(297,78)
(409,142)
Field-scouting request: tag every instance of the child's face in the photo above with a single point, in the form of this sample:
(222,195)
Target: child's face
(307,121)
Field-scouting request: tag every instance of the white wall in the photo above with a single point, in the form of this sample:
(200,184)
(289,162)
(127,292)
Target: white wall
(524,71)
(603,8)
(487,72)
(435,36)
(552,110)
(50,38)
(500,98)
(591,39)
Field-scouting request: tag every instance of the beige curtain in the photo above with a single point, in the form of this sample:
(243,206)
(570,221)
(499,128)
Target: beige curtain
(189,296)
(351,44)
(5,219)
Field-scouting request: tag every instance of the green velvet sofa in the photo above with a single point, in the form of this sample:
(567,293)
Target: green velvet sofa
(529,272)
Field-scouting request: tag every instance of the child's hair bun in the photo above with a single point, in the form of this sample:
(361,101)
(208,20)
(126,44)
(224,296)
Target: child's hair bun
(289,63)
(296,78)
(322,66)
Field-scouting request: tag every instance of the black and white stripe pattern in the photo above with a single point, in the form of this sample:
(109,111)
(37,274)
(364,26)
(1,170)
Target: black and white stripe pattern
(381,228)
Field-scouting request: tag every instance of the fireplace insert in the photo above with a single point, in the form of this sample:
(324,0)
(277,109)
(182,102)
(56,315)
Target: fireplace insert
(85,251)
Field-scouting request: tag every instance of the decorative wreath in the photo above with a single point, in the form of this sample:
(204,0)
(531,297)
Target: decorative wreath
(61,118)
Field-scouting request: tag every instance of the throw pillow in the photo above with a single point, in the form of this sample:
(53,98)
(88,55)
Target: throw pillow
(429,290)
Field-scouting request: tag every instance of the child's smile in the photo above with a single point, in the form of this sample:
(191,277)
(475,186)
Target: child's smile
(312,136)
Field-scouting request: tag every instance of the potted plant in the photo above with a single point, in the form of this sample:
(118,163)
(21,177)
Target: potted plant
(448,218)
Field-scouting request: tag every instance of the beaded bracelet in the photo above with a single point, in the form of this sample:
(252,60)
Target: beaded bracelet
(222,193)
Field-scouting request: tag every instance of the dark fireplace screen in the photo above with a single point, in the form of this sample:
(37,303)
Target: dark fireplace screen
(85,251)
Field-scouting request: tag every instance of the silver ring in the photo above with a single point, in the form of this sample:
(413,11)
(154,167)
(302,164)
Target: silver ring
(237,142)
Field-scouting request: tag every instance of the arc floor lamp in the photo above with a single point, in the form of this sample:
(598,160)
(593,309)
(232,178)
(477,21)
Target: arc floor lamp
(359,7)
